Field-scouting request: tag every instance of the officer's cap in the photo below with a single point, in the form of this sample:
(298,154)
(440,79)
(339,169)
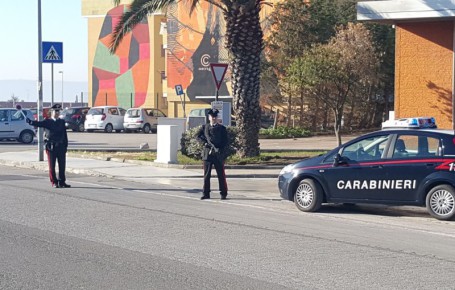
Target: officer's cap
(56,107)
(213,113)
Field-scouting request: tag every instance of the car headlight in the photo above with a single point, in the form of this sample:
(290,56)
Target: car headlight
(287,169)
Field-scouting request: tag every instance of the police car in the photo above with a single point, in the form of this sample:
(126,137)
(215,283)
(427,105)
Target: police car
(408,162)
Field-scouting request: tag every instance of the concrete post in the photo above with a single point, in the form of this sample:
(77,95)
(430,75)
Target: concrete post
(167,144)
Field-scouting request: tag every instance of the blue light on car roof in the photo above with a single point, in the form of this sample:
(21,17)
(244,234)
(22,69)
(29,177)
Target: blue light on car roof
(413,122)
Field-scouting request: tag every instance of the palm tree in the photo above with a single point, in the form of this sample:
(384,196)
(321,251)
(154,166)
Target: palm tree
(244,42)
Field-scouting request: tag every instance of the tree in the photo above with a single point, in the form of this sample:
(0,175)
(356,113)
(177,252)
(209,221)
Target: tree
(13,99)
(244,42)
(334,71)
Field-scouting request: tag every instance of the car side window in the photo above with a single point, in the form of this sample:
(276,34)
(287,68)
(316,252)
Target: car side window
(370,148)
(3,116)
(122,112)
(113,111)
(16,115)
(412,146)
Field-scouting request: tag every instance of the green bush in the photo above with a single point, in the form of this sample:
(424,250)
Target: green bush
(282,132)
(192,148)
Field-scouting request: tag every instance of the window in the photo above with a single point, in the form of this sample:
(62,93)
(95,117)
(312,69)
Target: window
(3,116)
(415,146)
(16,115)
(113,111)
(366,149)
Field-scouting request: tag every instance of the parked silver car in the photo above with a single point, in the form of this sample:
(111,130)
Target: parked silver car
(13,125)
(142,119)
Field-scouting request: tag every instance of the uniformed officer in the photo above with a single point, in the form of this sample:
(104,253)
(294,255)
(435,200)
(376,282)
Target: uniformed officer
(215,139)
(56,141)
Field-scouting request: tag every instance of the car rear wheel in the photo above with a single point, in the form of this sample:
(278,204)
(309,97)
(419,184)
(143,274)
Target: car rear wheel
(109,128)
(440,202)
(81,127)
(26,137)
(308,195)
(146,129)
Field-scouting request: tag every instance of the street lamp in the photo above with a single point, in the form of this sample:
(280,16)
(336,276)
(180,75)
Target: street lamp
(61,72)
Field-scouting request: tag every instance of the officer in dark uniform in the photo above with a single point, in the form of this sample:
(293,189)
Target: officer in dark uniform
(215,139)
(56,141)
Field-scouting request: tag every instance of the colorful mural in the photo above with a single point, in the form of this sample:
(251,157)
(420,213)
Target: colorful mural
(121,78)
(193,42)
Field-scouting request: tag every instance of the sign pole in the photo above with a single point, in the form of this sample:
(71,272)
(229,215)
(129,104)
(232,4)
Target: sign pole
(40,88)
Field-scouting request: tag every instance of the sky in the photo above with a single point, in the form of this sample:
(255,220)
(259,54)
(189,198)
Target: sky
(61,21)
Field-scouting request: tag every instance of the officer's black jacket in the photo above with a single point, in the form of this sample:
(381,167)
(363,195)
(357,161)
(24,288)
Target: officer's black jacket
(55,130)
(218,137)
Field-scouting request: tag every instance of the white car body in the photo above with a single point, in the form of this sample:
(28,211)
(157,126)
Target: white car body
(142,119)
(13,125)
(107,118)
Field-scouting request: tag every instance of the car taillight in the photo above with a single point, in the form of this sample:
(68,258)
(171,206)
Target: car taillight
(75,116)
(103,117)
(140,121)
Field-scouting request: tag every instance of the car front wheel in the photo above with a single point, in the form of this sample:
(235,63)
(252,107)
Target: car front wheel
(26,137)
(440,202)
(81,127)
(308,195)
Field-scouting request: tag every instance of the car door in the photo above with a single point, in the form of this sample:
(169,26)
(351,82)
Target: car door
(17,123)
(413,156)
(113,118)
(356,177)
(4,123)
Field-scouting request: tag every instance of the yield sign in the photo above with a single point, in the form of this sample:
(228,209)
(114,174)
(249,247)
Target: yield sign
(218,71)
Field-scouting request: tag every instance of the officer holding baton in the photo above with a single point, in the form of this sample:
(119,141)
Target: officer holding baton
(56,140)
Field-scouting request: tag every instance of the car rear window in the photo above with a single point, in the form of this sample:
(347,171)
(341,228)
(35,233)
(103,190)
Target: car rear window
(68,111)
(132,113)
(96,111)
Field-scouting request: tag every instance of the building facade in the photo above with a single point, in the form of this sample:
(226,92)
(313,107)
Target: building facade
(424,59)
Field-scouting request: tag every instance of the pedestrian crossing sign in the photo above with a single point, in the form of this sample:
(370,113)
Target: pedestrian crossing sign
(52,52)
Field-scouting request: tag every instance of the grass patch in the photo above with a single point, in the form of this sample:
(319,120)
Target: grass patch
(265,158)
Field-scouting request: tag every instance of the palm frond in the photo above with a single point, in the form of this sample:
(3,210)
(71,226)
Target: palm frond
(138,11)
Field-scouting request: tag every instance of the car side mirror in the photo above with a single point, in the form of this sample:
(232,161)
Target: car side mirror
(339,160)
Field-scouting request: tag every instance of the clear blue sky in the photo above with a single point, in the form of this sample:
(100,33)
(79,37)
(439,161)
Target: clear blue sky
(61,22)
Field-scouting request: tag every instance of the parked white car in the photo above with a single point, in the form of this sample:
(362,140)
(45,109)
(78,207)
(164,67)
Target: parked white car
(13,125)
(142,119)
(107,118)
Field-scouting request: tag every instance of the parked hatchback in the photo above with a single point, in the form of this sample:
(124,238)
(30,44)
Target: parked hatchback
(142,119)
(107,118)
(13,125)
(75,118)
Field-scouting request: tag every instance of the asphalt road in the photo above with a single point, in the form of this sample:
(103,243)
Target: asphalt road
(110,234)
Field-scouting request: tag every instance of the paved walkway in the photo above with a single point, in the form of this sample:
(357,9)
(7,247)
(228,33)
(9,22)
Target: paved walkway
(119,169)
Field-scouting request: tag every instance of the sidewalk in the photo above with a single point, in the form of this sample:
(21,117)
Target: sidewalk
(143,169)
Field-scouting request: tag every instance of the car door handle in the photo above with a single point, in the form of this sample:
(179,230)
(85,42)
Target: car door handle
(430,164)
(377,166)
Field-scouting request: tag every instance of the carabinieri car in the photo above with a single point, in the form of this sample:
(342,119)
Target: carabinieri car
(408,162)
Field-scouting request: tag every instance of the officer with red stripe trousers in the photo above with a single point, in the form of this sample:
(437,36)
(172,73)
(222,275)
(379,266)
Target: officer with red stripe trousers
(215,139)
(56,140)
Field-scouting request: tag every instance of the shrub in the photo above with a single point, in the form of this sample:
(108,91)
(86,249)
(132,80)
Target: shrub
(282,132)
(192,148)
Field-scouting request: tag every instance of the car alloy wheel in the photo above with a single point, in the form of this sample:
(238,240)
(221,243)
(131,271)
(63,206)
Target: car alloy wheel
(308,195)
(441,202)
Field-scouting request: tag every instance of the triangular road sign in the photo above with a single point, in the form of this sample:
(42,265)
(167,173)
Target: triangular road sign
(218,71)
(52,54)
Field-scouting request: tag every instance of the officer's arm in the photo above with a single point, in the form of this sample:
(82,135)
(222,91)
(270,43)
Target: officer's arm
(201,135)
(42,124)
(225,141)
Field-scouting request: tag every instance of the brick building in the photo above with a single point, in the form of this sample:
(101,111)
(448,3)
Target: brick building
(424,59)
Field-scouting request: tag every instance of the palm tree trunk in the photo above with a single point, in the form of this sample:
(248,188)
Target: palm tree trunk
(244,41)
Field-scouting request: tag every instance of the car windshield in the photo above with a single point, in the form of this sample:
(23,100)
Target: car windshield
(95,111)
(133,113)
(68,111)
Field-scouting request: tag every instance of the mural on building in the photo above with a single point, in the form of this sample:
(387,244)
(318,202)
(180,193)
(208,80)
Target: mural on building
(121,78)
(193,43)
